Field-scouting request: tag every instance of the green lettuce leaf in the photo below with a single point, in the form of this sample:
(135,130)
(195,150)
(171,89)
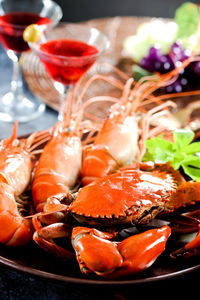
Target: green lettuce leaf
(187,19)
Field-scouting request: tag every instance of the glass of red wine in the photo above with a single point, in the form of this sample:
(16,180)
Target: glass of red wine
(16,102)
(67,52)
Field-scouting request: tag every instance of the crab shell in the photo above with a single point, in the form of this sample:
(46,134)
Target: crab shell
(128,195)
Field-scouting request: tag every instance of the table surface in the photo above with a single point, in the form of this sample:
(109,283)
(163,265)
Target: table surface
(46,120)
(16,285)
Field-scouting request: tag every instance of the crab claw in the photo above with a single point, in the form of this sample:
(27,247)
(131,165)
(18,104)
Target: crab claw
(140,251)
(96,253)
(190,249)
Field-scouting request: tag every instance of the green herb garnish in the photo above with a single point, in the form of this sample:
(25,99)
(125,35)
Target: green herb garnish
(140,72)
(180,153)
(187,19)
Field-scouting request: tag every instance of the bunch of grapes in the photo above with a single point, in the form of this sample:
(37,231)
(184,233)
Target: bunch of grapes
(156,61)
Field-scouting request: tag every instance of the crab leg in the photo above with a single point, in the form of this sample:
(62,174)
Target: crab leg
(187,193)
(96,253)
(193,247)
(190,249)
(44,238)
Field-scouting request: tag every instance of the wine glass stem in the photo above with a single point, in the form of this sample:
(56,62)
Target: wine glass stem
(65,93)
(63,102)
(17,79)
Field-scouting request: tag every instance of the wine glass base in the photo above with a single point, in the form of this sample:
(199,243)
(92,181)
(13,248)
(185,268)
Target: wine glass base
(19,107)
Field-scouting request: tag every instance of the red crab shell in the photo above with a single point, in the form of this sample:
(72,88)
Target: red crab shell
(129,195)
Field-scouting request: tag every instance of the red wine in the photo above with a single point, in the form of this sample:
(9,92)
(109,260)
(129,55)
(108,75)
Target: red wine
(67,60)
(12,26)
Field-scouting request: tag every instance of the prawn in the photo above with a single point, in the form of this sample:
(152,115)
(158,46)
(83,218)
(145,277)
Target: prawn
(60,163)
(120,140)
(15,176)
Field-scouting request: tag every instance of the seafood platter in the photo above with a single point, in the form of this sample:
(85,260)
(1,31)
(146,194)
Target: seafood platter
(113,196)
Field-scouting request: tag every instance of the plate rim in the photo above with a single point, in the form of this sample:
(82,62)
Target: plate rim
(49,276)
(85,281)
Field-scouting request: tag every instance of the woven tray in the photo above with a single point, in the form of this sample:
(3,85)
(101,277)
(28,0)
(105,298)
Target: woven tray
(117,29)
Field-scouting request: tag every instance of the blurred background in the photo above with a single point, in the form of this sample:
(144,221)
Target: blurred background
(82,10)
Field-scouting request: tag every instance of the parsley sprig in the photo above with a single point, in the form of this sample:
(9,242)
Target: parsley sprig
(180,153)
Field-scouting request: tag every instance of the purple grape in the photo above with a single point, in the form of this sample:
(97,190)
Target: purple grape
(193,75)
(176,48)
(195,66)
(156,61)
(151,62)
(178,53)
(178,85)
(167,64)
(155,53)
(145,63)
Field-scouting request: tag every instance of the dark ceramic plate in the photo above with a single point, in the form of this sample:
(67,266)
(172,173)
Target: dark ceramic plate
(34,261)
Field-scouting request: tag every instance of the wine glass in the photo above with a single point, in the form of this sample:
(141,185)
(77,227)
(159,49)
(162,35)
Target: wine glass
(67,52)
(16,103)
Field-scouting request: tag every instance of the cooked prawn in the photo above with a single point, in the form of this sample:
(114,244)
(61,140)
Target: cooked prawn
(15,176)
